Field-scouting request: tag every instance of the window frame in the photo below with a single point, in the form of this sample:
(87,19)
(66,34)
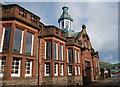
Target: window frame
(1,60)
(21,44)
(56,52)
(31,51)
(70,72)
(30,74)
(19,69)
(79,70)
(60,45)
(3,37)
(46,49)
(76,70)
(56,69)
(78,56)
(45,73)
(62,69)
(68,56)
(75,57)
(85,44)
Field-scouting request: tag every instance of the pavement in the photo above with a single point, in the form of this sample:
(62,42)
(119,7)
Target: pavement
(109,82)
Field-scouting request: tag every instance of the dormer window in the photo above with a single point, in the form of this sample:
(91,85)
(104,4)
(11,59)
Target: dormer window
(85,45)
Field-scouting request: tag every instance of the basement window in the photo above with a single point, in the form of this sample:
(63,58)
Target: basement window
(69,69)
(56,69)
(61,70)
(47,69)
(75,70)
(79,70)
(16,67)
(2,66)
(28,68)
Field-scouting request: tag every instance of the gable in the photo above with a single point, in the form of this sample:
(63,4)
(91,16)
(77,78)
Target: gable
(83,36)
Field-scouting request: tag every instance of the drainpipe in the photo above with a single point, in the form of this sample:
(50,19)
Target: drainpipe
(39,63)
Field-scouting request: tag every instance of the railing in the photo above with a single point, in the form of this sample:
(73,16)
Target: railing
(52,30)
(15,11)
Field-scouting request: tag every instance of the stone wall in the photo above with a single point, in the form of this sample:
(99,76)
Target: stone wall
(20,81)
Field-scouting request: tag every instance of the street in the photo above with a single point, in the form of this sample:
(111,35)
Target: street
(109,82)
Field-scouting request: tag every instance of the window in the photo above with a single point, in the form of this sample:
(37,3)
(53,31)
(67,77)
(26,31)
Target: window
(55,51)
(75,70)
(69,55)
(2,66)
(85,44)
(67,24)
(78,56)
(69,69)
(18,40)
(87,64)
(61,52)
(61,69)
(48,50)
(28,68)
(63,24)
(75,56)
(5,39)
(56,69)
(16,67)
(47,69)
(79,70)
(29,43)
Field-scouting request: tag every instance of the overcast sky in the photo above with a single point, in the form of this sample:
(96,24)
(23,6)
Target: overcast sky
(100,18)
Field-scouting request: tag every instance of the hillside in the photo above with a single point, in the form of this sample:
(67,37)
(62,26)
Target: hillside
(106,64)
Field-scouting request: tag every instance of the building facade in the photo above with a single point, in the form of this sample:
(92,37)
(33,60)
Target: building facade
(32,53)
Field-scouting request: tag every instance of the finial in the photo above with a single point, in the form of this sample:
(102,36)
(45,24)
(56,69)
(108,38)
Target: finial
(65,4)
(83,26)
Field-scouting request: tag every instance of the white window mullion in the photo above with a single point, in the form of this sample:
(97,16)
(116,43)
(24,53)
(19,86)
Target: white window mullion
(67,56)
(2,41)
(75,70)
(21,42)
(61,69)
(79,70)
(19,68)
(45,50)
(45,70)
(62,51)
(57,51)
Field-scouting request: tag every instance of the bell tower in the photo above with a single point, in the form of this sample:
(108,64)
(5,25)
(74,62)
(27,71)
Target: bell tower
(65,21)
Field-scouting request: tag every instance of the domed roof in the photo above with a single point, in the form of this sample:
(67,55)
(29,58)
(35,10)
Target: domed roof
(65,14)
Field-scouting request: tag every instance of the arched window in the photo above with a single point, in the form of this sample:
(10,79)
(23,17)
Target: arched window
(85,45)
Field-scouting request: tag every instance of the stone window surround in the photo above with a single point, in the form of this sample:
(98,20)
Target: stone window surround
(13,25)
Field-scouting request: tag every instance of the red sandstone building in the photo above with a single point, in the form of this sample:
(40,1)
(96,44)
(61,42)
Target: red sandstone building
(32,53)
